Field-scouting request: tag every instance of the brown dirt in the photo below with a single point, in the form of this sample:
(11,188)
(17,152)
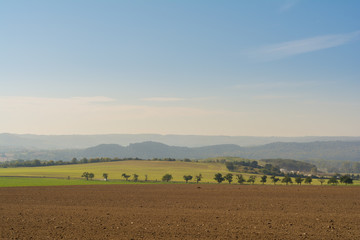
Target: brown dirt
(180,211)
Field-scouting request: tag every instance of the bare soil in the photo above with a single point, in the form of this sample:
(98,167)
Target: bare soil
(180,211)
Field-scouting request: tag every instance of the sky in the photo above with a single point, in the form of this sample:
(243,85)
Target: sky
(205,67)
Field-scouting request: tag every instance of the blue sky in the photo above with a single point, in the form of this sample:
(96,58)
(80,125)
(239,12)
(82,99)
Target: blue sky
(255,68)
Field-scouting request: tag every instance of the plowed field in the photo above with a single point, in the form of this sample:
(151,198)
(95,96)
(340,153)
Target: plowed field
(180,211)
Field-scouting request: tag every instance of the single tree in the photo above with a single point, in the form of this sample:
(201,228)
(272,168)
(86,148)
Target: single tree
(333,180)
(219,178)
(299,180)
(274,179)
(251,179)
(346,179)
(228,177)
(124,175)
(198,178)
(308,180)
(187,178)
(91,176)
(286,179)
(135,177)
(342,178)
(105,175)
(146,177)
(263,179)
(167,177)
(240,178)
(321,180)
(85,175)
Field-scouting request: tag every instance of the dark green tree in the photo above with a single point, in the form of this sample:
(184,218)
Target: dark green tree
(274,179)
(105,176)
(346,179)
(333,180)
(85,175)
(251,179)
(299,180)
(124,175)
(240,178)
(187,178)
(308,180)
(263,179)
(321,180)
(135,177)
(198,178)
(167,177)
(286,179)
(228,177)
(219,178)
(91,176)
(36,162)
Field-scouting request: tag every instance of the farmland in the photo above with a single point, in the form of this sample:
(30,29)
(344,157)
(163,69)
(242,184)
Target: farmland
(71,174)
(35,181)
(184,211)
(153,169)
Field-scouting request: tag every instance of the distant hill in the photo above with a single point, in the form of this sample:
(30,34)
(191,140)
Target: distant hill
(336,150)
(47,142)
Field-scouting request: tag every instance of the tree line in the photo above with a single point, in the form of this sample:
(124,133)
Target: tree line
(229,177)
(345,179)
(44,163)
(252,166)
(135,177)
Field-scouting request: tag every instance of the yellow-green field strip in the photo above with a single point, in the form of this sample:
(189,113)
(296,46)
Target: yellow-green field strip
(71,174)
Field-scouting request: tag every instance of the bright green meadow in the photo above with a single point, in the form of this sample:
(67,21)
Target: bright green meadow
(71,174)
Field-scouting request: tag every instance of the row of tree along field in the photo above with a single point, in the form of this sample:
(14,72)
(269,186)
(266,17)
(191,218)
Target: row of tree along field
(40,163)
(346,179)
(219,178)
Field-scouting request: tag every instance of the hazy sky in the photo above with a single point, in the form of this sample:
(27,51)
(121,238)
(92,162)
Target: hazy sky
(261,68)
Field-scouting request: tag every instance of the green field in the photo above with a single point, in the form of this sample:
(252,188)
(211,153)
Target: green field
(58,175)
(154,169)
(28,181)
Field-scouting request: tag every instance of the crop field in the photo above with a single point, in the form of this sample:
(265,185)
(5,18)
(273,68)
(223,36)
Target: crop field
(181,211)
(153,169)
(71,174)
(35,181)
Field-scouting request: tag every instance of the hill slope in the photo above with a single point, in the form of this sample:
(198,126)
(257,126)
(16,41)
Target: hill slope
(147,150)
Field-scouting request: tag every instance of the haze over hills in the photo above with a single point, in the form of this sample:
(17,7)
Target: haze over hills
(31,141)
(331,150)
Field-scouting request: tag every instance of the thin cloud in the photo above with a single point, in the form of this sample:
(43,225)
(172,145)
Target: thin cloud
(291,48)
(162,99)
